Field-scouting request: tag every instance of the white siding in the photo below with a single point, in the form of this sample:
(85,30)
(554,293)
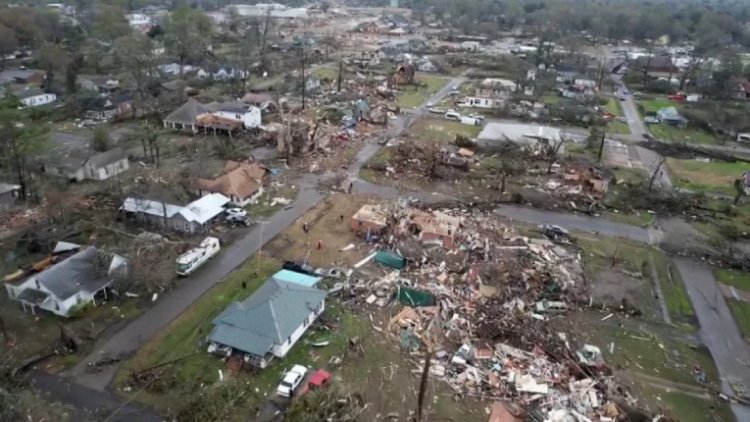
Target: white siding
(283,349)
(39,100)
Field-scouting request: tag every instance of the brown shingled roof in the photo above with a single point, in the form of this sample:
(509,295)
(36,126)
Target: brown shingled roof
(238,179)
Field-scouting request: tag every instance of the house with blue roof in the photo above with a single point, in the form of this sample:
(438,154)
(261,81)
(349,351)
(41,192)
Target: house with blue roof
(268,323)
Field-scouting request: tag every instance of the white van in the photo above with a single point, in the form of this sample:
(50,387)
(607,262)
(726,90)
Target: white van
(743,137)
(453,115)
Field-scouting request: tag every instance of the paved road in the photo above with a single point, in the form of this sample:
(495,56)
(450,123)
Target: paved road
(718,329)
(174,302)
(576,222)
(87,401)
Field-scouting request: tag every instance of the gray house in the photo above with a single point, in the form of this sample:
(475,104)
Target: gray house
(78,164)
(268,323)
(195,217)
(185,117)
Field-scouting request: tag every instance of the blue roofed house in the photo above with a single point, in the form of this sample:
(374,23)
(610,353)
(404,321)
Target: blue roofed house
(268,323)
(670,116)
(304,280)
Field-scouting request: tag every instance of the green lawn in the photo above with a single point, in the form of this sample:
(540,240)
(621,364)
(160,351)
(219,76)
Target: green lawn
(656,104)
(676,134)
(741,312)
(412,96)
(326,73)
(692,409)
(616,127)
(553,98)
(699,176)
(442,130)
(738,279)
(613,106)
(675,296)
(266,207)
(184,337)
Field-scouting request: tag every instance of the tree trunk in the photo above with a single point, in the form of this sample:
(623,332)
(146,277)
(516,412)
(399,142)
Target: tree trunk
(4,333)
(423,383)
(502,182)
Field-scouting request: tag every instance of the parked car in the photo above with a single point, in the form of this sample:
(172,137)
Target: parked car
(291,380)
(319,379)
(235,219)
(236,212)
(453,115)
(454,92)
(650,120)
(477,117)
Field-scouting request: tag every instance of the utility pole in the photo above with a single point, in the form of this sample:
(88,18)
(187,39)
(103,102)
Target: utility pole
(341,69)
(303,77)
(601,145)
(260,244)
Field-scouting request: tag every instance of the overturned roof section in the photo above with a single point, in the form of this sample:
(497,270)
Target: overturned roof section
(266,318)
(186,114)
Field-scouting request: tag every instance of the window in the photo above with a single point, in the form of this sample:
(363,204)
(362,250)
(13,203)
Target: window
(289,340)
(78,299)
(57,305)
(37,284)
(187,226)
(238,117)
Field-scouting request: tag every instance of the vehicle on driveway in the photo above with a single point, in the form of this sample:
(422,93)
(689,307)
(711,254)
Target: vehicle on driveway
(291,380)
(234,220)
(319,379)
(236,212)
(650,120)
(477,117)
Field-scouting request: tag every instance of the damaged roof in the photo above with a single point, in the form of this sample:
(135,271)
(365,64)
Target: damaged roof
(238,179)
(186,114)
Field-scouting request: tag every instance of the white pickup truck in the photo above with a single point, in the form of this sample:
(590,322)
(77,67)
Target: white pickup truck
(291,380)
(196,257)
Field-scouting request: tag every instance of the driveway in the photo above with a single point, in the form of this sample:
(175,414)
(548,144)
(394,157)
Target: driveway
(718,330)
(174,302)
(86,401)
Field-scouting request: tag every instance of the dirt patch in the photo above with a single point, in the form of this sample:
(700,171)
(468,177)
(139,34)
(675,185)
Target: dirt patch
(613,286)
(325,225)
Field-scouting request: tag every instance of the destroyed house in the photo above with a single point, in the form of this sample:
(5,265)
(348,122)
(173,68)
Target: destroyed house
(403,75)
(432,227)
(370,219)
(195,217)
(268,323)
(242,183)
(71,277)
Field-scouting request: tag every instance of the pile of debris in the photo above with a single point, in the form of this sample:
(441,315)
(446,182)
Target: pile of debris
(478,299)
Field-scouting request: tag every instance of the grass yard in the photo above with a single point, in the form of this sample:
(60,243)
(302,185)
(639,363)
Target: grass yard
(647,348)
(616,127)
(730,277)
(653,105)
(613,106)
(677,134)
(553,98)
(741,312)
(272,200)
(326,73)
(641,219)
(442,130)
(602,256)
(699,176)
(415,96)
(675,295)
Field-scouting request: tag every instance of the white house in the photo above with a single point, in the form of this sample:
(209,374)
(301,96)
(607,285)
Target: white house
(268,323)
(34,97)
(137,20)
(72,279)
(482,102)
(79,165)
(195,217)
(249,115)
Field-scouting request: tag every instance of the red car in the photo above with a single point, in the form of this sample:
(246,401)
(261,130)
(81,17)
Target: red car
(319,379)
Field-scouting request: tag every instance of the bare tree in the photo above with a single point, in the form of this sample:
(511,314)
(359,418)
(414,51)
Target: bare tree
(551,152)
(656,173)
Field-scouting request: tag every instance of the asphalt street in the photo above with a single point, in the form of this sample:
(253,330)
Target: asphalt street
(86,401)
(718,330)
(175,301)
